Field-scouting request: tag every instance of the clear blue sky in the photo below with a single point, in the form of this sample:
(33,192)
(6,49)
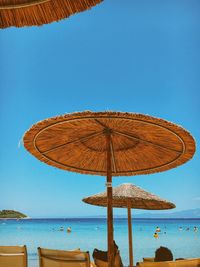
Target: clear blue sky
(134,55)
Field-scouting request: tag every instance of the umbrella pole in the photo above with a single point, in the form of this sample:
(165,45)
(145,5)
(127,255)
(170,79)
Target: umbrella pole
(130,236)
(109,206)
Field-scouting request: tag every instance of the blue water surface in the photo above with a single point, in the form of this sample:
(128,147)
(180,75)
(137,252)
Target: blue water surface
(90,233)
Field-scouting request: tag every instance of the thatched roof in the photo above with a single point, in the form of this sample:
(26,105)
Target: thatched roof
(129,195)
(140,144)
(21,13)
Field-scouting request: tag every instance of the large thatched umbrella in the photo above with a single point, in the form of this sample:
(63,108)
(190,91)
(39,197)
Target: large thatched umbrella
(130,196)
(109,144)
(21,13)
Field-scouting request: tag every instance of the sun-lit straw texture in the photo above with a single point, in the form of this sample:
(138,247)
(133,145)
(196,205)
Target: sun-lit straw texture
(129,195)
(21,13)
(140,144)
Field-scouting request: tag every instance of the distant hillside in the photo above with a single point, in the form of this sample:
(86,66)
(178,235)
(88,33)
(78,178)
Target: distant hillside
(193,213)
(11,214)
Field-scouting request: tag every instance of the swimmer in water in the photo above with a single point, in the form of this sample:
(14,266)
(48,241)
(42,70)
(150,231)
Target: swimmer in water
(158,229)
(69,229)
(156,235)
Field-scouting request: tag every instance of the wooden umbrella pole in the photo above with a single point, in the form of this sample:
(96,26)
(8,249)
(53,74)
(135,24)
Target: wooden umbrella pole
(130,236)
(109,206)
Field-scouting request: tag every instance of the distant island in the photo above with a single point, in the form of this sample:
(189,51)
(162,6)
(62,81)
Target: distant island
(11,214)
(184,214)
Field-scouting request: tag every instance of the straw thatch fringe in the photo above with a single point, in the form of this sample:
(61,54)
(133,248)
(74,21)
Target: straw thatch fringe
(132,196)
(158,145)
(21,13)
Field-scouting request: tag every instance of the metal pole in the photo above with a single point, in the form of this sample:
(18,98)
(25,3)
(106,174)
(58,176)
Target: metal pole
(130,236)
(109,206)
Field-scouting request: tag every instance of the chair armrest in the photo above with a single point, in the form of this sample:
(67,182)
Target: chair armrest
(148,259)
(92,264)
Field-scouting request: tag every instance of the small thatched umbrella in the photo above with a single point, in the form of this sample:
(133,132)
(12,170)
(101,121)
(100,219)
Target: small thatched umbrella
(21,13)
(109,144)
(130,196)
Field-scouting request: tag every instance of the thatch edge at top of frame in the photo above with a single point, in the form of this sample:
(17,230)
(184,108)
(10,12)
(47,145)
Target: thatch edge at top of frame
(39,12)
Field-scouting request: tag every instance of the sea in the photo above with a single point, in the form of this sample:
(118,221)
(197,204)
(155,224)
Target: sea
(89,233)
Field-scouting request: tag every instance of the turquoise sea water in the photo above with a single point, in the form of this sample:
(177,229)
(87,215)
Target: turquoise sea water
(90,233)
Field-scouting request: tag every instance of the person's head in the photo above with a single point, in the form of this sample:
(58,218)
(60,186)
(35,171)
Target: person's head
(163,254)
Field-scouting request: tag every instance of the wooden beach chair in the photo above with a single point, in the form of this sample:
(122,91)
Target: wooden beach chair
(63,258)
(13,256)
(178,263)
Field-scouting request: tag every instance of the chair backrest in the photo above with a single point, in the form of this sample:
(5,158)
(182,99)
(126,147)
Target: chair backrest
(63,258)
(178,263)
(13,256)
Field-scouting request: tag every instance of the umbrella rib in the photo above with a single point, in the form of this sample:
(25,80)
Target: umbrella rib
(74,141)
(16,6)
(113,156)
(144,203)
(102,124)
(144,141)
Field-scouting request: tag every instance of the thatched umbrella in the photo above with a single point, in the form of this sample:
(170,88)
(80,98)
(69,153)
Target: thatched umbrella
(130,196)
(109,144)
(21,13)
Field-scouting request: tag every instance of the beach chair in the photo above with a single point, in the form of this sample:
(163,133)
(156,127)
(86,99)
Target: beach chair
(63,258)
(13,256)
(178,263)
